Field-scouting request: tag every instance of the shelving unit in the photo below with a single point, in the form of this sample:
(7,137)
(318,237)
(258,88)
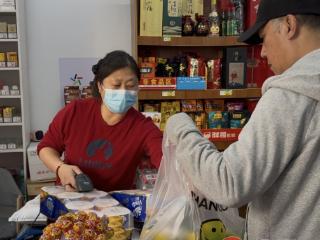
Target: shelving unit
(189,41)
(15,159)
(168,47)
(199,94)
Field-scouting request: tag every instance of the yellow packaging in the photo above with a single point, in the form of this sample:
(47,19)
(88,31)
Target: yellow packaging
(2,57)
(7,114)
(191,7)
(12,31)
(12,59)
(151,18)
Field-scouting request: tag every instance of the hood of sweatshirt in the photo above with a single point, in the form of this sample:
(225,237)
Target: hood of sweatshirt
(303,77)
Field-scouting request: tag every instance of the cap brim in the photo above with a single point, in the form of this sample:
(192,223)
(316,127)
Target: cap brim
(251,36)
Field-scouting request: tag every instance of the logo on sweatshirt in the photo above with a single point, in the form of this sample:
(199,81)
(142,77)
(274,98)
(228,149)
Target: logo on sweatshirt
(94,149)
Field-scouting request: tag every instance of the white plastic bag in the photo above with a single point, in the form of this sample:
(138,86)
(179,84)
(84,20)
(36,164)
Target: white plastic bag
(171,211)
(177,210)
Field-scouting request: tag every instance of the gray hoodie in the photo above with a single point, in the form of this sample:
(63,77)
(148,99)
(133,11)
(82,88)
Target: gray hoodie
(275,164)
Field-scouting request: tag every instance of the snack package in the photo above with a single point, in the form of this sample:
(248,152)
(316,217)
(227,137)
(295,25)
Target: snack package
(218,119)
(146,178)
(214,74)
(135,200)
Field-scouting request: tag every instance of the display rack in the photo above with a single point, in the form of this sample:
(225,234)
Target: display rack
(14,159)
(170,46)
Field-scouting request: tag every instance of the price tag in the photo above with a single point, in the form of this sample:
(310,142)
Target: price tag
(226,92)
(166,39)
(168,93)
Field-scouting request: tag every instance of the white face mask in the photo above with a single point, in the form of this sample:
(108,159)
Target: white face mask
(119,100)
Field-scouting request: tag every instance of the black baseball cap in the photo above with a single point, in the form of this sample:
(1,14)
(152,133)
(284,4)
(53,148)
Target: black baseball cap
(270,9)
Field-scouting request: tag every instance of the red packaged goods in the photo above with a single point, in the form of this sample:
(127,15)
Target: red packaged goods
(214,74)
(252,8)
(196,67)
(147,69)
(258,69)
(158,83)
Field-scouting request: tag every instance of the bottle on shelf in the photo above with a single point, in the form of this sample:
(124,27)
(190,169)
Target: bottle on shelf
(214,22)
(224,20)
(232,22)
(239,14)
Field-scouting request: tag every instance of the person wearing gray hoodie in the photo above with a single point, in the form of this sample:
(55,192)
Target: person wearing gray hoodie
(274,167)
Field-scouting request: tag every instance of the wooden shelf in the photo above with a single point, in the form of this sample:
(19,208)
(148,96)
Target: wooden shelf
(10,124)
(189,41)
(8,40)
(10,69)
(200,94)
(10,96)
(12,150)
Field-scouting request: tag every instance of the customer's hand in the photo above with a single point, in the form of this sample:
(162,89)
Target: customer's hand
(67,174)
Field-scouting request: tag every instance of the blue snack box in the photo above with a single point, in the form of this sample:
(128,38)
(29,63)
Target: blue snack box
(191,83)
(135,201)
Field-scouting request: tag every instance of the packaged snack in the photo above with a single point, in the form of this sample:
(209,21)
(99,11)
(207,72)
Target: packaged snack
(119,211)
(235,106)
(218,119)
(214,74)
(199,107)
(135,200)
(188,105)
(213,105)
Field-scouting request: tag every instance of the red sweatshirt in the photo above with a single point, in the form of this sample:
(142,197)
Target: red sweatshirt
(109,155)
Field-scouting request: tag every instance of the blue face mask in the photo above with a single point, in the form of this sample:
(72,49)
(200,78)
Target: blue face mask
(119,100)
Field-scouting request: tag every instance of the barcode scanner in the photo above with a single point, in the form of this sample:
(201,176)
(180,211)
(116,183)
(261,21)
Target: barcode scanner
(83,183)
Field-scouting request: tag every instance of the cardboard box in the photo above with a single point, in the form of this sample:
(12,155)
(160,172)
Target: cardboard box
(172,18)
(191,83)
(12,59)
(12,31)
(151,18)
(258,69)
(147,69)
(34,188)
(7,5)
(251,10)
(191,7)
(235,67)
(3,30)
(38,171)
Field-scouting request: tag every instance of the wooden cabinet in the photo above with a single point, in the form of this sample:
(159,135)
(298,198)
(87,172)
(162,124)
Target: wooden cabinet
(168,47)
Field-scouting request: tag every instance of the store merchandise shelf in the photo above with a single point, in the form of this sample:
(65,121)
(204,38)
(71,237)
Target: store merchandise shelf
(10,96)
(8,40)
(10,124)
(189,41)
(199,94)
(10,69)
(11,150)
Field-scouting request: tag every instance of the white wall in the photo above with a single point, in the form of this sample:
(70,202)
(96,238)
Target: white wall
(68,28)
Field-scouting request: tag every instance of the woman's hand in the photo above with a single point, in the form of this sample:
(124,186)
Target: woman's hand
(67,174)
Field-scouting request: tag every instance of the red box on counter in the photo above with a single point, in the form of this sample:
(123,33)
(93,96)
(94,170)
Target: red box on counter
(220,135)
(158,83)
(252,9)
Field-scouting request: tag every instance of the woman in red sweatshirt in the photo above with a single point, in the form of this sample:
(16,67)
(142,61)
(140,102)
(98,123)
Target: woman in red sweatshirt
(104,137)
